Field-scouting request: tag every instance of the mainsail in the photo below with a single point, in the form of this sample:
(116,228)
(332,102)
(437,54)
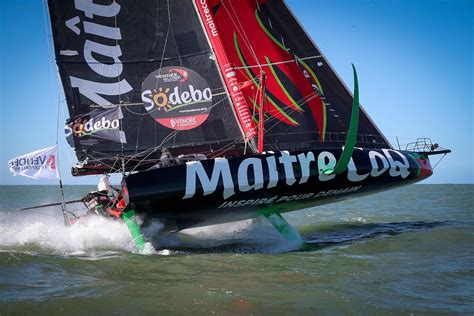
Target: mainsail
(195,76)
(139,76)
(306,105)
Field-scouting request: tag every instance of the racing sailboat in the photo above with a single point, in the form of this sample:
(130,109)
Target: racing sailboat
(216,111)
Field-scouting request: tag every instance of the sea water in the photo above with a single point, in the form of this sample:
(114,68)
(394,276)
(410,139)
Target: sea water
(405,251)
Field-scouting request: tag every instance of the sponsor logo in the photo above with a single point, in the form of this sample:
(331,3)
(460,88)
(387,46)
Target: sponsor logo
(208,19)
(173,75)
(40,164)
(100,124)
(85,127)
(250,172)
(51,162)
(177,97)
(33,163)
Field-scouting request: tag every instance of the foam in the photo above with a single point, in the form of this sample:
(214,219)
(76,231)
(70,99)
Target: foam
(43,231)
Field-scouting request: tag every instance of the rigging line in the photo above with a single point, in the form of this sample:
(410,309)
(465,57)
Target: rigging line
(174,36)
(255,98)
(141,61)
(309,97)
(166,40)
(49,47)
(252,52)
(120,101)
(164,51)
(155,149)
(205,152)
(111,167)
(439,161)
(131,158)
(277,63)
(170,136)
(245,34)
(224,148)
(53,86)
(138,134)
(63,204)
(152,150)
(243,31)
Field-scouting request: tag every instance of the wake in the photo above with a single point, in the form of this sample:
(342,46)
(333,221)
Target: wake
(42,231)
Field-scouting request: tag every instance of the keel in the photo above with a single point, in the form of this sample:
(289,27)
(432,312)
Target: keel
(129,218)
(284,228)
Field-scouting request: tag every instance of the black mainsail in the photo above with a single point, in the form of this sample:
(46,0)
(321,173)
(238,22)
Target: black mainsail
(112,57)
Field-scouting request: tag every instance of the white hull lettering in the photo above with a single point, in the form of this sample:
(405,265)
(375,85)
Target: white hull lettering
(305,161)
(256,168)
(397,168)
(195,171)
(256,165)
(352,174)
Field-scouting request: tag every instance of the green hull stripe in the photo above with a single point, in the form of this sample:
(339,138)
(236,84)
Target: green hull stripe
(353,128)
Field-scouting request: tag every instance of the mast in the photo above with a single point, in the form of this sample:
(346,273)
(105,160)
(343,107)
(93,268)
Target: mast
(229,73)
(261,113)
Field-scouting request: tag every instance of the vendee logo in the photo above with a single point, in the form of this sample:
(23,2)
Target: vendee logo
(177,97)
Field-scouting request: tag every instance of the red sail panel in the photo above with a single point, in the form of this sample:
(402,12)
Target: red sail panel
(240,105)
(307,105)
(249,47)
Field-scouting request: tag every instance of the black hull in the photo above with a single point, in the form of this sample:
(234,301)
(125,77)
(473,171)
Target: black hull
(225,190)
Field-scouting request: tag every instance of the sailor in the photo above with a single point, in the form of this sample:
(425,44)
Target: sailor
(110,202)
(104,201)
(166,158)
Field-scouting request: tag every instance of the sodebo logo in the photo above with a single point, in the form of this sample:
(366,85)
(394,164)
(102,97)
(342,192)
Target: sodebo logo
(177,97)
(166,100)
(83,127)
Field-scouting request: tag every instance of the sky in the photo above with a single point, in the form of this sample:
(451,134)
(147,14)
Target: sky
(414,60)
